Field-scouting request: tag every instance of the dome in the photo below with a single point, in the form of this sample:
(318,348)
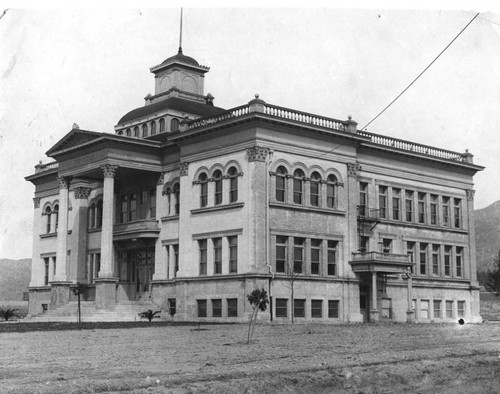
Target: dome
(180,57)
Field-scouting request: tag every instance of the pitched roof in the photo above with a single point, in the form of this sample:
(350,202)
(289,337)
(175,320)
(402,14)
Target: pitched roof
(188,106)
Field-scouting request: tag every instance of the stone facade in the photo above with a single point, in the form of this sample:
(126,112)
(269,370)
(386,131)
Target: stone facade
(359,227)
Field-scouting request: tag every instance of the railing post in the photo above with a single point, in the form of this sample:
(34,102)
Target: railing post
(256,105)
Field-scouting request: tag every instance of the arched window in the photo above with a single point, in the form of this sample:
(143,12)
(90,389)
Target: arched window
(281,175)
(202,179)
(167,192)
(315,189)
(128,132)
(98,214)
(48,213)
(56,214)
(136,131)
(162,125)
(298,186)
(92,210)
(177,199)
(120,132)
(218,187)
(233,184)
(144,130)
(174,124)
(330,191)
(153,127)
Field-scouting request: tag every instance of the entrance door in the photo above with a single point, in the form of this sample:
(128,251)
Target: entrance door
(144,272)
(363,304)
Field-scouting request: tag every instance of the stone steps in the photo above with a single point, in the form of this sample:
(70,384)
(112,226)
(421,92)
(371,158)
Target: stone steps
(123,311)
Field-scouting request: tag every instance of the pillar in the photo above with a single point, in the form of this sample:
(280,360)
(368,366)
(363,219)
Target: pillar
(62,231)
(410,313)
(374,313)
(106,282)
(79,231)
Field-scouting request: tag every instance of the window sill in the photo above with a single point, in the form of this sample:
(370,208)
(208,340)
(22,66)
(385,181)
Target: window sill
(218,208)
(283,205)
(94,230)
(423,226)
(51,235)
(169,218)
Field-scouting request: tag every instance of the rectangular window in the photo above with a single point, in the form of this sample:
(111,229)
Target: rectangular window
(152,204)
(435,259)
(133,207)
(459,261)
(446,211)
(281,307)
(410,251)
(447,261)
(299,308)
(233,189)
(218,191)
(423,259)
(46,277)
(421,207)
(437,309)
(457,212)
(332,258)
(233,254)
(172,306)
(202,308)
(124,209)
(217,308)
(298,255)
(232,307)
(364,243)
(333,309)
(449,309)
(330,194)
(396,204)
(315,256)
(386,308)
(386,245)
(363,199)
(281,253)
(280,188)
(317,308)
(203,193)
(460,308)
(314,194)
(176,260)
(382,201)
(409,205)
(424,309)
(217,255)
(202,245)
(434,209)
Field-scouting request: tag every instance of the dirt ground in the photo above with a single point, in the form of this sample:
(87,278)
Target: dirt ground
(393,358)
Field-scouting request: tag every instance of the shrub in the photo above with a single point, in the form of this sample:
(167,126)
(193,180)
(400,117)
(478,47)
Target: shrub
(8,312)
(149,314)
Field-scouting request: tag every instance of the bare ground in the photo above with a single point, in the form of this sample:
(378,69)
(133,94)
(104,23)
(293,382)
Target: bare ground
(392,358)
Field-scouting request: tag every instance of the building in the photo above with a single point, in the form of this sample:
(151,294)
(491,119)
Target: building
(190,207)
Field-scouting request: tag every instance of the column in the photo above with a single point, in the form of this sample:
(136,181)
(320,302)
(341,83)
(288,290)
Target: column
(171,261)
(78,241)
(106,281)
(62,231)
(107,222)
(374,313)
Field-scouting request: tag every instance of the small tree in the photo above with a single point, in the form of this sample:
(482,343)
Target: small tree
(493,277)
(78,291)
(294,270)
(259,300)
(149,314)
(8,313)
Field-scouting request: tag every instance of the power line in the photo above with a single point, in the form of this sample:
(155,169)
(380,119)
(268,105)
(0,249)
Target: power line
(419,75)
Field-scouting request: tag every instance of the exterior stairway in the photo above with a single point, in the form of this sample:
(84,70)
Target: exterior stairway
(124,311)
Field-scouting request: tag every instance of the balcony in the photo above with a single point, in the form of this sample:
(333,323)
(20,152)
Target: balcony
(147,228)
(380,262)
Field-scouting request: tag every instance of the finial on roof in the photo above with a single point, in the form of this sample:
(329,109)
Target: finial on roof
(75,126)
(180,35)
(349,117)
(256,95)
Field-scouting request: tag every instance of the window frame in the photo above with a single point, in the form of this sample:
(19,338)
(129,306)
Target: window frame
(281,184)
(281,307)
(316,309)
(201,308)
(203,254)
(298,186)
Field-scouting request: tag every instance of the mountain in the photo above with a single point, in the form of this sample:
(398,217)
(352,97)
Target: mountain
(14,279)
(487,227)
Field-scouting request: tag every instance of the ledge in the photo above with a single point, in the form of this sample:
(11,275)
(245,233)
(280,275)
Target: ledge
(51,235)
(297,207)
(218,208)
(169,218)
(402,223)
(94,230)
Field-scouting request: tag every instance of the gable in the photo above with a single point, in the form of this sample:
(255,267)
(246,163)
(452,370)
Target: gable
(74,138)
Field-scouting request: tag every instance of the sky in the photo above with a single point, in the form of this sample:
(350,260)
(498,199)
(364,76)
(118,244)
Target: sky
(90,66)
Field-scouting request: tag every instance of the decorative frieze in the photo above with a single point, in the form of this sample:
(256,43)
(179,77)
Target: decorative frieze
(353,169)
(183,168)
(36,202)
(257,153)
(470,194)
(109,170)
(82,193)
